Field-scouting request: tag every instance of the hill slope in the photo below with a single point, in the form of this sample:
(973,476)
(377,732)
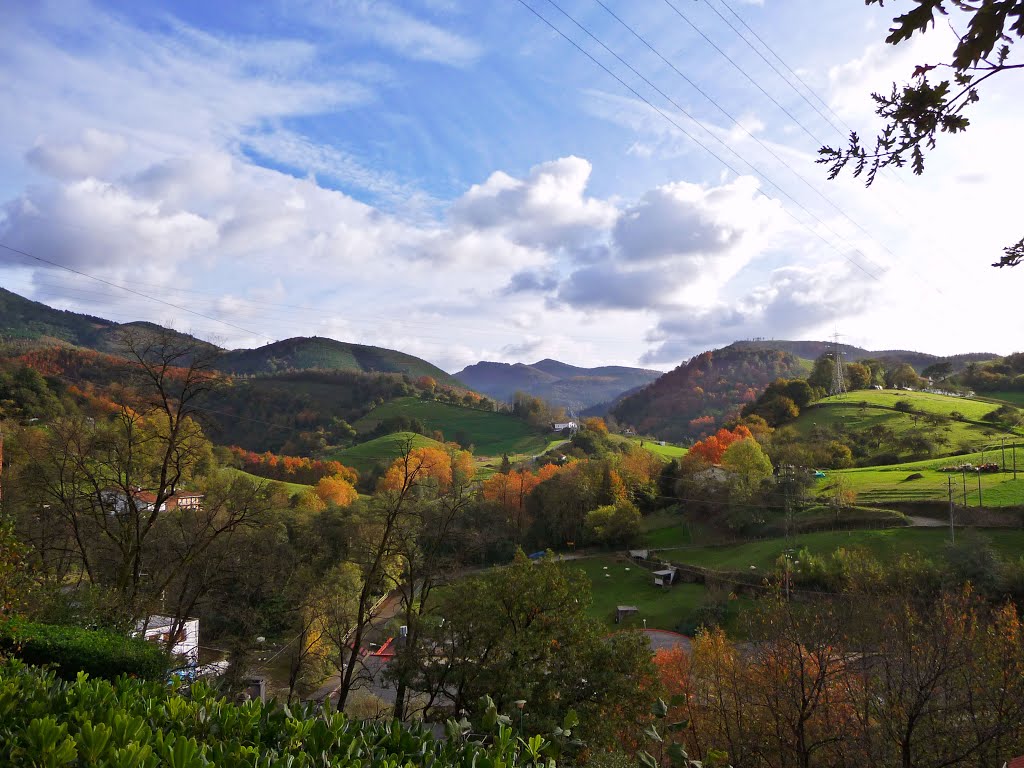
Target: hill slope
(318,353)
(695,398)
(490,433)
(557,382)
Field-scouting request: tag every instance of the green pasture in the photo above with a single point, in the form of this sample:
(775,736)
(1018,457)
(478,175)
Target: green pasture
(666,452)
(617,582)
(379,450)
(885,544)
(939,405)
(491,433)
(665,528)
(1017,398)
(890,484)
(291,488)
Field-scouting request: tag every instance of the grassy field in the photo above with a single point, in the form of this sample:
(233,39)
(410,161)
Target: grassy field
(879,485)
(1017,398)
(292,488)
(382,449)
(940,405)
(665,528)
(491,434)
(621,583)
(884,544)
(667,451)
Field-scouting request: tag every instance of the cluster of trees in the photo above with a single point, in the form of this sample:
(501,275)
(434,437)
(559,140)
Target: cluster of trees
(289,469)
(862,679)
(1002,374)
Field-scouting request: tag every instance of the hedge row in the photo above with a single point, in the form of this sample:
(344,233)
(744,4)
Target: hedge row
(45,721)
(70,650)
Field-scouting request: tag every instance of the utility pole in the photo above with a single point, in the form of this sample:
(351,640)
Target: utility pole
(963,472)
(952,532)
(1014,449)
(1002,451)
(980,505)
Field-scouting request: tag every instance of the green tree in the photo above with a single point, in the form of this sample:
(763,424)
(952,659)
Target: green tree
(917,112)
(613,523)
(823,372)
(522,633)
(750,467)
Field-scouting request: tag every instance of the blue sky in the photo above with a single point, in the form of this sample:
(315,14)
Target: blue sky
(455,179)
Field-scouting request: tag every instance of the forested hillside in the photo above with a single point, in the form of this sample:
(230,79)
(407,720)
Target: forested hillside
(695,398)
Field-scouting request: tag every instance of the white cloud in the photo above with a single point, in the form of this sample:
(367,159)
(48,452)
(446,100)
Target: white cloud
(548,208)
(394,28)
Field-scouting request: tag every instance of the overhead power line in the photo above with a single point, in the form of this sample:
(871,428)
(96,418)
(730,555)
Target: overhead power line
(738,124)
(772,66)
(789,69)
(708,149)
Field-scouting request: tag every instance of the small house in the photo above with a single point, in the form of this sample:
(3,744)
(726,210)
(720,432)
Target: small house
(185,644)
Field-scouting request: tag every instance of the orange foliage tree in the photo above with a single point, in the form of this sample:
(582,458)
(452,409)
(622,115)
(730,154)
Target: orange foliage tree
(291,469)
(336,490)
(710,449)
(438,464)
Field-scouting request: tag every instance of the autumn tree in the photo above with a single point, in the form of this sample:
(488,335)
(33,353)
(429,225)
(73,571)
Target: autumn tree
(336,490)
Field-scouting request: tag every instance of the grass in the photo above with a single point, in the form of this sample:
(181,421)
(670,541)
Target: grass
(880,485)
(292,488)
(939,405)
(665,528)
(379,450)
(1017,398)
(629,584)
(491,434)
(884,544)
(667,451)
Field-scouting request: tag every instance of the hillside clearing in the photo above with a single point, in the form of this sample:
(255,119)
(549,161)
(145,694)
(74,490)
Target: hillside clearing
(489,432)
(381,450)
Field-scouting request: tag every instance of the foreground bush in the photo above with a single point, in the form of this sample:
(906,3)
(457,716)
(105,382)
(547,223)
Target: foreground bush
(70,650)
(45,721)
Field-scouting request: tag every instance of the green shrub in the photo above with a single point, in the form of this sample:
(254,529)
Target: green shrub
(71,650)
(45,721)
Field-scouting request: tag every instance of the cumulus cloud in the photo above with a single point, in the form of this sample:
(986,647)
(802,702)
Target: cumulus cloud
(93,155)
(548,208)
(795,300)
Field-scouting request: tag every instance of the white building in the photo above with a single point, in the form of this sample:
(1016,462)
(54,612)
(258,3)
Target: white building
(186,640)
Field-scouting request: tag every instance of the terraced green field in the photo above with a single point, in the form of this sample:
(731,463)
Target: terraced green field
(380,450)
(940,405)
(880,485)
(884,544)
(491,434)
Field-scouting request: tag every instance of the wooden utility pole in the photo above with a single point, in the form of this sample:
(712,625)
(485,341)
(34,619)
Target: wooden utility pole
(980,504)
(1002,451)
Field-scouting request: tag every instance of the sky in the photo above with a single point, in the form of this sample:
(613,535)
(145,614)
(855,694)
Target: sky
(601,182)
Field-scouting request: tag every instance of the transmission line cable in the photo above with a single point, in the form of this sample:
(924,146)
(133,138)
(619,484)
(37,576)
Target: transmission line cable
(789,69)
(742,127)
(772,66)
(708,149)
(743,72)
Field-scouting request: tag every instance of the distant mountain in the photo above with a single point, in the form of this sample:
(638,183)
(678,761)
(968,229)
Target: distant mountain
(557,382)
(697,397)
(318,353)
